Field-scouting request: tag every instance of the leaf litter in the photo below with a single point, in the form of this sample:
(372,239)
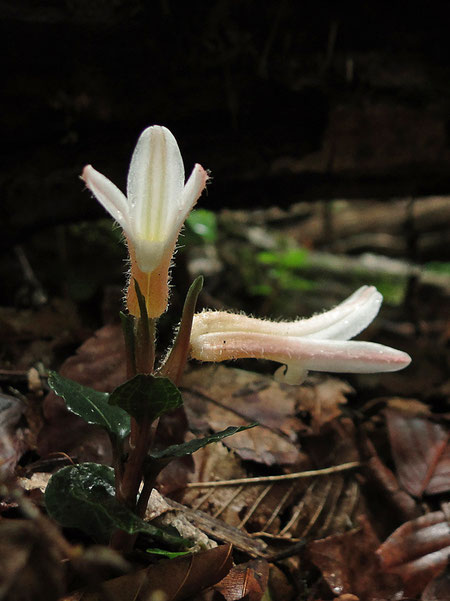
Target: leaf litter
(322,524)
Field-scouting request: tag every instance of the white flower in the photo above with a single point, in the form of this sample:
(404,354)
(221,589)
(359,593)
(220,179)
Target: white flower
(154,210)
(319,343)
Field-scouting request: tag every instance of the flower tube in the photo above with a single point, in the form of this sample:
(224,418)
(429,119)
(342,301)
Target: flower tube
(320,343)
(153,212)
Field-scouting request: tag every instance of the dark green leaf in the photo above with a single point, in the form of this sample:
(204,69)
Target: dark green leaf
(82,496)
(187,448)
(91,405)
(147,395)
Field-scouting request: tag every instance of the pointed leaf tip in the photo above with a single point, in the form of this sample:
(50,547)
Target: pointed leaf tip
(91,405)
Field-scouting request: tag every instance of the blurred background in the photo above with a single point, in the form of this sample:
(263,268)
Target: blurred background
(326,127)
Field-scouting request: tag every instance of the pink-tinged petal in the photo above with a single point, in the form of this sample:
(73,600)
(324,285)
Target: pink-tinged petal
(109,195)
(363,312)
(155,183)
(344,321)
(191,193)
(318,355)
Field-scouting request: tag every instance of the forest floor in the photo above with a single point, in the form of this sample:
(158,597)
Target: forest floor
(341,492)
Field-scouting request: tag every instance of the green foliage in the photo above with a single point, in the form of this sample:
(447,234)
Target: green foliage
(291,258)
(438,267)
(167,554)
(187,448)
(147,396)
(91,405)
(392,289)
(201,227)
(281,271)
(82,496)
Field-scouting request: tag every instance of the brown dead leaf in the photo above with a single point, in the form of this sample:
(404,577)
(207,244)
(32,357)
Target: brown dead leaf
(417,551)
(409,406)
(292,508)
(321,397)
(172,580)
(383,488)
(349,564)
(246,581)
(439,588)
(31,567)
(218,396)
(100,364)
(421,451)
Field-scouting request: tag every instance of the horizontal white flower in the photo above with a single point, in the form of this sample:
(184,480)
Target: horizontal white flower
(320,343)
(157,203)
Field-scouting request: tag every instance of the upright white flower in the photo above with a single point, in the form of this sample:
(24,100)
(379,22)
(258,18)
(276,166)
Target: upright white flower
(319,343)
(151,215)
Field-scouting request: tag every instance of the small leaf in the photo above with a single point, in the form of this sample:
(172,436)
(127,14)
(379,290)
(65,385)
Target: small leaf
(175,362)
(187,448)
(168,554)
(91,405)
(82,496)
(147,396)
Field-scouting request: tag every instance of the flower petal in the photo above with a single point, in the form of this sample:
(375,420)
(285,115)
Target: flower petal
(319,355)
(348,319)
(364,309)
(155,183)
(109,195)
(191,193)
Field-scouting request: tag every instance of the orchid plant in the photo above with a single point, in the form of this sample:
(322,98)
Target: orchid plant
(111,502)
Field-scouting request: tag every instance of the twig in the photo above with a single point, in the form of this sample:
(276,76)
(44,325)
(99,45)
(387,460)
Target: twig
(294,476)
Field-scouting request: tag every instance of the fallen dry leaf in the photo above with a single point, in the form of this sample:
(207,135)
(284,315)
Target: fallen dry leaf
(291,508)
(321,397)
(439,588)
(218,396)
(384,489)
(171,580)
(421,451)
(31,567)
(349,564)
(417,551)
(247,581)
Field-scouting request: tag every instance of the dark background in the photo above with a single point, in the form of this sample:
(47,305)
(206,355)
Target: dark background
(283,101)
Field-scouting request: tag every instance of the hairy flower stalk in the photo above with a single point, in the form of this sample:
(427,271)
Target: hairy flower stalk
(153,212)
(320,343)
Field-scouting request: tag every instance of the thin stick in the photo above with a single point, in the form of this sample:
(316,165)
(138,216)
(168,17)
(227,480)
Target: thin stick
(260,480)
